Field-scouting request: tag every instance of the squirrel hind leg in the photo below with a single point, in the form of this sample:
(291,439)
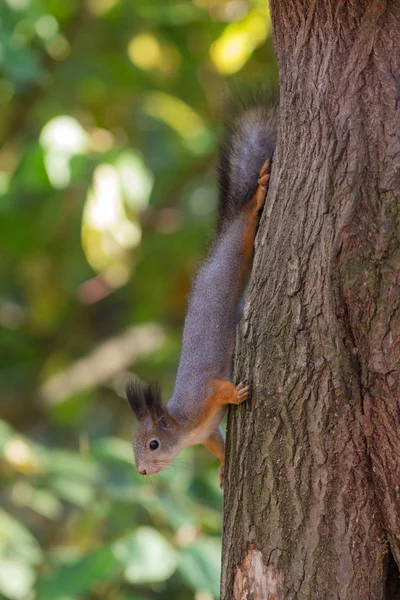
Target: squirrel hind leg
(215,443)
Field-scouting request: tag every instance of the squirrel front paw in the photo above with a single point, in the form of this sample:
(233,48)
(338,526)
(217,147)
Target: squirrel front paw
(242,392)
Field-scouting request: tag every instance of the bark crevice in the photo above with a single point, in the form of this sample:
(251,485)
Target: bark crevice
(392,586)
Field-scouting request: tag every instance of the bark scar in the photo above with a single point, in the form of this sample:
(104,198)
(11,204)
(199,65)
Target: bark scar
(255,581)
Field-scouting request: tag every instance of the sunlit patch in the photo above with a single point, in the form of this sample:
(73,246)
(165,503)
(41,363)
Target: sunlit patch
(100,7)
(64,134)
(104,202)
(18,4)
(62,138)
(136,180)
(232,10)
(238,41)
(182,118)
(16,578)
(107,232)
(176,113)
(20,456)
(203,595)
(155,559)
(46,27)
(146,52)
(58,170)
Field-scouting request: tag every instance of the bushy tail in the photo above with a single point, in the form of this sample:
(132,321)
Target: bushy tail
(249,140)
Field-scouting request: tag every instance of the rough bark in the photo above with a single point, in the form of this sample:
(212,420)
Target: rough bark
(312,500)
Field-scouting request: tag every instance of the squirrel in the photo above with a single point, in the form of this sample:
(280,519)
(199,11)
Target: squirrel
(203,386)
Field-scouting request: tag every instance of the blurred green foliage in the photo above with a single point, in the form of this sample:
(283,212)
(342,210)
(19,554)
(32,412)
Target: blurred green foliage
(109,118)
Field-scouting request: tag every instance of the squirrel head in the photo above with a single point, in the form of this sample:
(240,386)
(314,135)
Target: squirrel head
(156,441)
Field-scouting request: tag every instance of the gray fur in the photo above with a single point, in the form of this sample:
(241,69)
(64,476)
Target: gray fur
(209,333)
(249,141)
(210,326)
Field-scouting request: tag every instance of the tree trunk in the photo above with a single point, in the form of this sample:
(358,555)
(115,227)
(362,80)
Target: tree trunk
(312,500)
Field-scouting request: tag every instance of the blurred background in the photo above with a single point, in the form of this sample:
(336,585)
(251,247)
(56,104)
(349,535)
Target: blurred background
(110,112)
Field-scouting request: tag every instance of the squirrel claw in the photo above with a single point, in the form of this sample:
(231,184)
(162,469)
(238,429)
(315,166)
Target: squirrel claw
(242,390)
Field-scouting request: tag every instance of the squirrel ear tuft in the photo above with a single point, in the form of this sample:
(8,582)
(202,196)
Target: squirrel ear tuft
(158,412)
(152,398)
(136,397)
(145,399)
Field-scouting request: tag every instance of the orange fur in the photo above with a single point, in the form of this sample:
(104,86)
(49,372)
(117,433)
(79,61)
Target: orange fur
(251,215)
(225,392)
(216,445)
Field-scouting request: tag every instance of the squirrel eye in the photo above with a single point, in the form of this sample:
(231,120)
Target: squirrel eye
(153,445)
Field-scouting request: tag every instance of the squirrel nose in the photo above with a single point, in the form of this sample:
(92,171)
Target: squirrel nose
(142,471)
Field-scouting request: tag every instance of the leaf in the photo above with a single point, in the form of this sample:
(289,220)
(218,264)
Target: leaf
(79,493)
(199,565)
(113,449)
(40,500)
(73,476)
(74,465)
(147,556)
(175,513)
(17,541)
(80,576)
(16,579)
